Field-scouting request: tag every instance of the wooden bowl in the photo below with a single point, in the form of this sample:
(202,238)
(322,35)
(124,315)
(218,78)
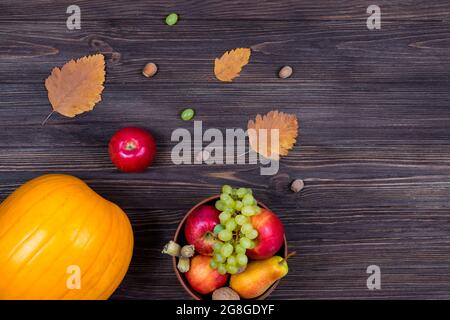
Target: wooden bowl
(180,239)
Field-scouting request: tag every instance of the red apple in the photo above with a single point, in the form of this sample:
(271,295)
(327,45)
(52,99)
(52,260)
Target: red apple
(200,227)
(132,149)
(202,277)
(270,235)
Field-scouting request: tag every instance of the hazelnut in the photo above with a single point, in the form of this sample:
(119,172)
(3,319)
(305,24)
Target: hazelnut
(297,185)
(150,70)
(202,156)
(225,293)
(285,72)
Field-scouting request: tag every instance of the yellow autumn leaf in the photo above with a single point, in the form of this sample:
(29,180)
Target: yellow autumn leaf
(273,134)
(77,86)
(228,66)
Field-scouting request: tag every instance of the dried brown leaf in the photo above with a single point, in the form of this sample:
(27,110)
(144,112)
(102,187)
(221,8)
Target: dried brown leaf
(228,66)
(261,134)
(77,86)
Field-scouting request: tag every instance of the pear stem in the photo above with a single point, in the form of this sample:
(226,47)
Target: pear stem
(288,256)
(291,255)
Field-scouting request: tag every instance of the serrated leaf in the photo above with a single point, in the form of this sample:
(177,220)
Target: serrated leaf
(230,64)
(77,86)
(260,134)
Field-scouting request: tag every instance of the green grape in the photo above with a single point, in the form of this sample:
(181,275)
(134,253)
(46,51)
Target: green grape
(230,203)
(247,200)
(221,269)
(229,210)
(257,209)
(241,259)
(241,219)
(171,19)
(219,258)
(231,260)
(225,235)
(248,211)
(218,228)
(226,250)
(227,189)
(245,242)
(239,249)
(238,205)
(220,205)
(224,217)
(246,228)
(217,245)
(241,192)
(213,264)
(234,193)
(224,197)
(187,114)
(231,225)
(252,234)
(231,269)
(252,244)
(249,191)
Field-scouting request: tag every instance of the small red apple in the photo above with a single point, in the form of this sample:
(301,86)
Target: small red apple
(132,149)
(270,235)
(202,277)
(200,227)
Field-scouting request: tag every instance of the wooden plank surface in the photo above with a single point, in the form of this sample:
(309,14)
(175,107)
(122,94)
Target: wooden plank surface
(374,143)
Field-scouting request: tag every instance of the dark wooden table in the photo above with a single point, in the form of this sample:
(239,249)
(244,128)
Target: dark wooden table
(373,148)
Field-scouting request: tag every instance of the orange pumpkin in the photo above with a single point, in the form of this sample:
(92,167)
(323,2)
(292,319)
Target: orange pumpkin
(61,240)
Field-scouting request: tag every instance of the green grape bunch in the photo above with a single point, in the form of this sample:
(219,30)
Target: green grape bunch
(235,232)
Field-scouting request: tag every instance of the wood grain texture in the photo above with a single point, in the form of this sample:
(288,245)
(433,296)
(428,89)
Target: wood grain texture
(374,143)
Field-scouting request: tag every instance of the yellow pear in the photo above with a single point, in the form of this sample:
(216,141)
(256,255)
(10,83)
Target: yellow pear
(258,277)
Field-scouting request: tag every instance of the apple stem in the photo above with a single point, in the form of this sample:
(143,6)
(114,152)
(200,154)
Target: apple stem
(210,235)
(130,145)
